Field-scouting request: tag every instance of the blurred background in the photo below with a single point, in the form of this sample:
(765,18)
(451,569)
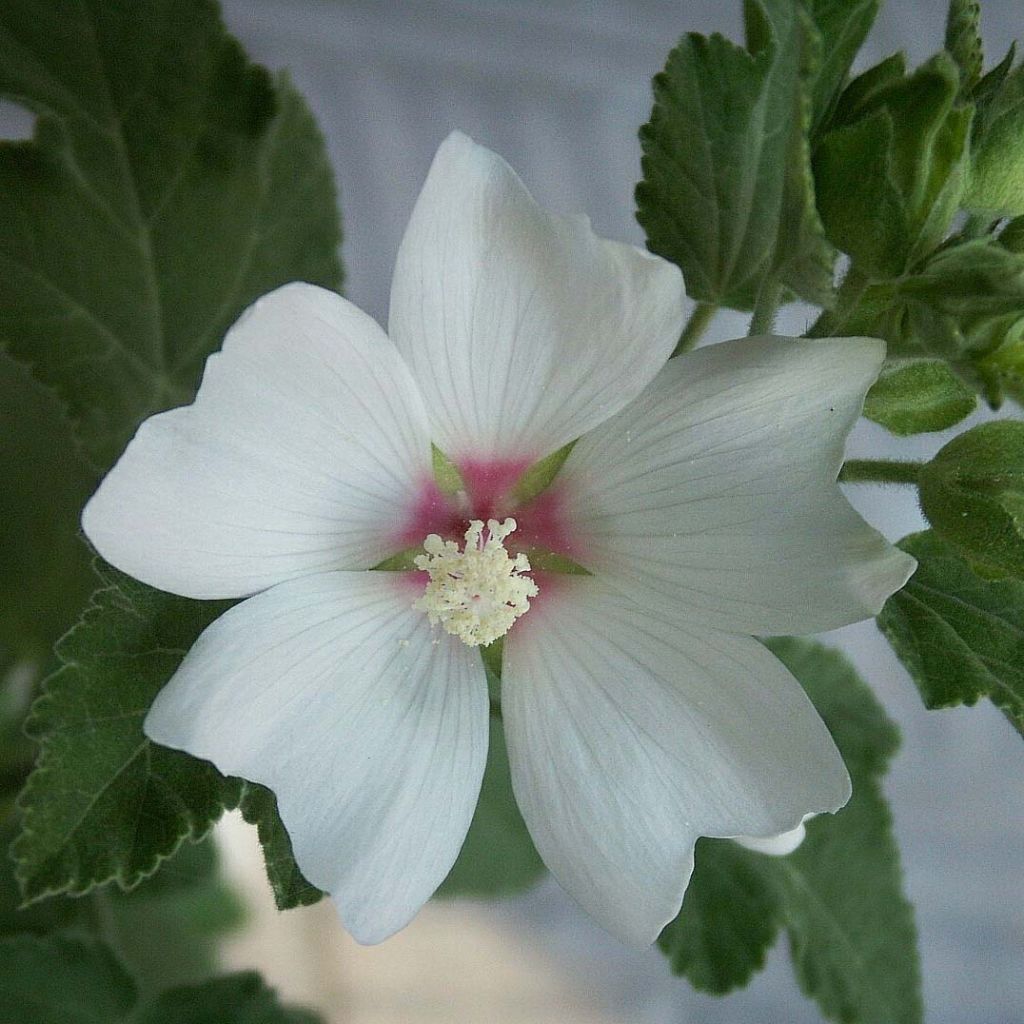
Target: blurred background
(560,90)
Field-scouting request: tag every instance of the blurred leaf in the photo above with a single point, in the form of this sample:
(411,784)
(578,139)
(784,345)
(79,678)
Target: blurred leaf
(972,494)
(46,573)
(170,182)
(963,41)
(918,395)
(850,928)
(61,980)
(290,888)
(960,637)
(890,174)
(104,802)
(498,856)
(727,191)
(234,999)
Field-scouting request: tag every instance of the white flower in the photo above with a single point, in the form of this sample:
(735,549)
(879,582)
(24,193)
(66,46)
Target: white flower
(639,712)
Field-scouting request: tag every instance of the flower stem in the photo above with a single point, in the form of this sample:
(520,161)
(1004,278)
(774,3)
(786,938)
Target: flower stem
(766,306)
(880,471)
(700,317)
(831,321)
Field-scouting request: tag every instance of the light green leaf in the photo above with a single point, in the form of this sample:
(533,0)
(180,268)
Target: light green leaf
(850,931)
(104,802)
(963,41)
(890,174)
(234,999)
(259,807)
(960,637)
(61,980)
(913,396)
(972,494)
(727,191)
(170,182)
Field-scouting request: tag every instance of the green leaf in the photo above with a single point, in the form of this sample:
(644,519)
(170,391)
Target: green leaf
(850,931)
(972,494)
(104,802)
(890,175)
(234,999)
(960,637)
(963,41)
(727,190)
(61,980)
(498,856)
(259,807)
(169,183)
(917,395)
(45,570)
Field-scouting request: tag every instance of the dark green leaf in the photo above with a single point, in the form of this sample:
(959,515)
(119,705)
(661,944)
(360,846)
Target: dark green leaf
(918,395)
(891,172)
(290,888)
(960,637)
(851,931)
(972,494)
(104,802)
(170,182)
(963,41)
(61,980)
(498,856)
(234,999)
(727,191)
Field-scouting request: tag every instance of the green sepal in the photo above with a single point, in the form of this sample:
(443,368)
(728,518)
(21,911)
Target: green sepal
(963,41)
(959,636)
(540,476)
(913,396)
(446,474)
(972,494)
(851,932)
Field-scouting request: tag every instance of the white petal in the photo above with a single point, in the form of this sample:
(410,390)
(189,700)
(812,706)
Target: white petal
(301,452)
(333,692)
(717,488)
(630,735)
(776,846)
(524,329)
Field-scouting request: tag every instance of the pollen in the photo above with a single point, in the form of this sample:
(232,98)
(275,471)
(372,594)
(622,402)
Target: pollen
(476,593)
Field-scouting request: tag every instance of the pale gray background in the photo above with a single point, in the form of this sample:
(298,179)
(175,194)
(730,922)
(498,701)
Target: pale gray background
(559,90)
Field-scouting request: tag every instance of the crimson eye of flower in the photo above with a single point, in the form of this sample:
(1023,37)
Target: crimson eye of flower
(639,711)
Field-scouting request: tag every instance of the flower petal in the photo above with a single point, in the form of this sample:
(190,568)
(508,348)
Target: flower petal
(524,329)
(776,846)
(333,692)
(301,453)
(717,488)
(630,735)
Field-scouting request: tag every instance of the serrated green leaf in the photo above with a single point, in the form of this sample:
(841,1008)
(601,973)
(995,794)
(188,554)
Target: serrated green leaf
(61,980)
(890,174)
(235,999)
(727,190)
(851,931)
(45,570)
(259,807)
(972,494)
(498,856)
(963,41)
(169,183)
(914,396)
(959,636)
(105,803)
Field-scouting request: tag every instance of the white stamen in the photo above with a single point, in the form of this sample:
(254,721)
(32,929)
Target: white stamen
(475,594)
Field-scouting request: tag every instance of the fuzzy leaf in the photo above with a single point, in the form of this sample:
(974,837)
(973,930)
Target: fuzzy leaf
(959,636)
(851,931)
(918,395)
(235,999)
(963,41)
(169,183)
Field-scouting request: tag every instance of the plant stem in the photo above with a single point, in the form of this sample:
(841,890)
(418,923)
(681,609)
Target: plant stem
(766,306)
(880,471)
(701,315)
(831,321)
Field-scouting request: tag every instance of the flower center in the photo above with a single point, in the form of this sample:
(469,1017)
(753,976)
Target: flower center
(477,593)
